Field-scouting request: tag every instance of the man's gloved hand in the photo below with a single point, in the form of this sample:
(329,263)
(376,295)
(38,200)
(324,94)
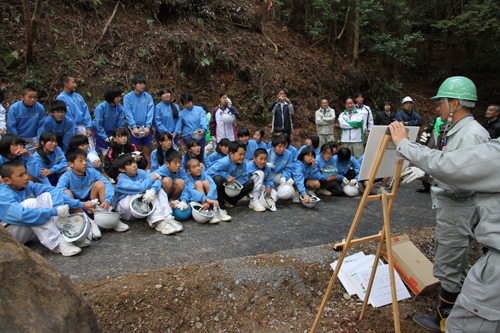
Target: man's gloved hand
(345,181)
(270,165)
(410,174)
(149,196)
(63,211)
(424,137)
(282,181)
(353,182)
(183,206)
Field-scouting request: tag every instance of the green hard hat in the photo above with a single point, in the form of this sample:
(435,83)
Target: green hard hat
(458,87)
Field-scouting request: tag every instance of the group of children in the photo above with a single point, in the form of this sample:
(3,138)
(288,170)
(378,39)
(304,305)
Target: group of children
(48,170)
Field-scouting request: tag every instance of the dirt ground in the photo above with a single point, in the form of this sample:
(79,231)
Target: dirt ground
(279,292)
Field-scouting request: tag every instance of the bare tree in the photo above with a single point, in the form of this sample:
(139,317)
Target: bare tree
(31,28)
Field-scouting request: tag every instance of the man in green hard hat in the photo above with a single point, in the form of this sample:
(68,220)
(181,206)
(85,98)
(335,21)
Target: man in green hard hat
(454,100)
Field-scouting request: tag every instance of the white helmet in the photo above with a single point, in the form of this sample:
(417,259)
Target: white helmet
(407,99)
(76,229)
(141,209)
(286,192)
(228,118)
(351,191)
(267,201)
(200,215)
(232,189)
(105,219)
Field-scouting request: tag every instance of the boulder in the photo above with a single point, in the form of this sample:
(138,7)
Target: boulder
(35,297)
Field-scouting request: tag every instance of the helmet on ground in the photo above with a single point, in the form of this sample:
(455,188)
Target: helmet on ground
(141,209)
(267,201)
(458,87)
(286,192)
(76,229)
(351,191)
(182,215)
(312,203)
(233,189)
(199,214)
(407,99)
(105,219)
(228,118)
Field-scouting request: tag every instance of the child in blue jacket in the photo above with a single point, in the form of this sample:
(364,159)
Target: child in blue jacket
(262,178)
(230,169)
(348,171)
(258,134)
(135,182)
(194,151)
(201,186)
(290,148)
(78,110)
(324,159)
(29,210)
(12,149)
(250,145)
(50,159)
(221,151)
(192,118)
(166,115)
(158,155)
(312,141)
(82,142)
(108,116)
(306,175)
(60,123)
(280,161)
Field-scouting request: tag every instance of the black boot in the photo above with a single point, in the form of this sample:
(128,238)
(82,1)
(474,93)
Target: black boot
(426,188)
(436,322)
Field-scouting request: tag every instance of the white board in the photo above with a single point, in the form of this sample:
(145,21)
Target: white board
(391,156)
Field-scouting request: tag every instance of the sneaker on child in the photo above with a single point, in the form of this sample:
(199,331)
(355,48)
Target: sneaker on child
(296,197)
(83,243)
(224,216)
(323,191)
(120,227)
(67,249)
(256,206)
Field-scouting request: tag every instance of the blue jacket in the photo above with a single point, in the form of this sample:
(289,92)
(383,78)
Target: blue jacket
(205,160)
(294,152)
(268,176)
(12,212)
(316,151)
(360,159)
(226,168)
(26,122)
(77,109)
(138,109)
(108,118)
(58,163)
(214,157)
(302,171)
(195,194)
(164,172)
(282,164)
(344,167)
(164,118)
(411,117)
(262,145)
(29,162)
(191,120)
(155,165)
(321,163)
(66,129)
(250,150)
(142,182)
(80,186)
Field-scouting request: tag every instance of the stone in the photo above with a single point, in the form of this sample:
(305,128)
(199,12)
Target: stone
(35,297)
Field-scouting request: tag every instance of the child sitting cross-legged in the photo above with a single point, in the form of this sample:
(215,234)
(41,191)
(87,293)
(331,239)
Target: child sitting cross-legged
(201,186)
(29,210)
(84,183)
(134,182)
(82,142)
(262,178)
(280,160)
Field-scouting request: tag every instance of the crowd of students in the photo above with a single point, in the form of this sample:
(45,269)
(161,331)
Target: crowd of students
(50,168)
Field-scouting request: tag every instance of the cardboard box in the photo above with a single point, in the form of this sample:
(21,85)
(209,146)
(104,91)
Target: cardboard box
(413,267)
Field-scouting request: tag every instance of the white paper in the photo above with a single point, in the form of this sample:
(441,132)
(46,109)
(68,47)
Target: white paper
(380,294)
(343,277)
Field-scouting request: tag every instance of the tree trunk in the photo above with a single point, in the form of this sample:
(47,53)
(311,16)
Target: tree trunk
(27,29)
(469,56)
(450,51)
(356,35)
(430,47)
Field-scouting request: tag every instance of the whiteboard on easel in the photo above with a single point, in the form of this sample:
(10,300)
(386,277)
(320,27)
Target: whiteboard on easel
(391,157)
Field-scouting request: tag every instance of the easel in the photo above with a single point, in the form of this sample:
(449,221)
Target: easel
(387,204)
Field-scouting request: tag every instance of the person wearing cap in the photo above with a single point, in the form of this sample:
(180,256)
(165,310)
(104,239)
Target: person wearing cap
(477,308)
(454,208)
(407,115)
(492,123)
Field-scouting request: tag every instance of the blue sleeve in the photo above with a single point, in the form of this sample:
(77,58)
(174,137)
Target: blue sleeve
(235,112)
(151,112)
(268,181)
(63,184)
(178,126)
(62,165)
(356,166)
(218,169)
(417,121)
(186,195)
(196,195)
(315,174)
(154,160)
(120,122)
(212,193)
(270,107)
(110,189)
(12,212)
(288,170)
(243,178)
(11,119)
(69,133)
(99,120)
(86,115)
(399,116)
(298,176)
(127,111)
(128,186)
(34,169)
(158,121)
(203,120)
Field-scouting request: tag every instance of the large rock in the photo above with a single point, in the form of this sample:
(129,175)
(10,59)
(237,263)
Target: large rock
(35,297)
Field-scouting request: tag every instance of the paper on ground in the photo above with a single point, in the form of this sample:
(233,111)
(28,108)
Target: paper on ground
(344,279)
(380,294)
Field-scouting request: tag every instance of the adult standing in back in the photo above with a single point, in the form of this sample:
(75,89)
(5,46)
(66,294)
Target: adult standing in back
(385,117)
(407,116)
(138,108)
(282,110)
(325,117)
(352,132)
(492,124)
(76,106)
(365,111)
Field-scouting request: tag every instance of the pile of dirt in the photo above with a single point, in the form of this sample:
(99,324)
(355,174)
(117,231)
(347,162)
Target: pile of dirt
(271,292)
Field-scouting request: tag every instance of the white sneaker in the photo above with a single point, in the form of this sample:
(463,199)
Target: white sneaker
(224,216)
(176,224)
(311,192)
(256,206)
(245,199)
(214,219)
(120,227)
(323,191)
(296,197)
(382,190)
(67,249)
(165,227)
(83,243)
(228,205)
(94,230)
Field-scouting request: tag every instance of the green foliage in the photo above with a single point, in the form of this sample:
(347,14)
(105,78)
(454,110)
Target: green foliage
(144,52)
(32,80)
(200,21)
(9,58)
(205,62)
(17,18)
(97,2)
(54,29)
(401,50)
(101,62)
(150,22)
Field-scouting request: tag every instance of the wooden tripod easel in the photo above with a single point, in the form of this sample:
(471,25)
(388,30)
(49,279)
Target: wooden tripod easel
(387,204)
